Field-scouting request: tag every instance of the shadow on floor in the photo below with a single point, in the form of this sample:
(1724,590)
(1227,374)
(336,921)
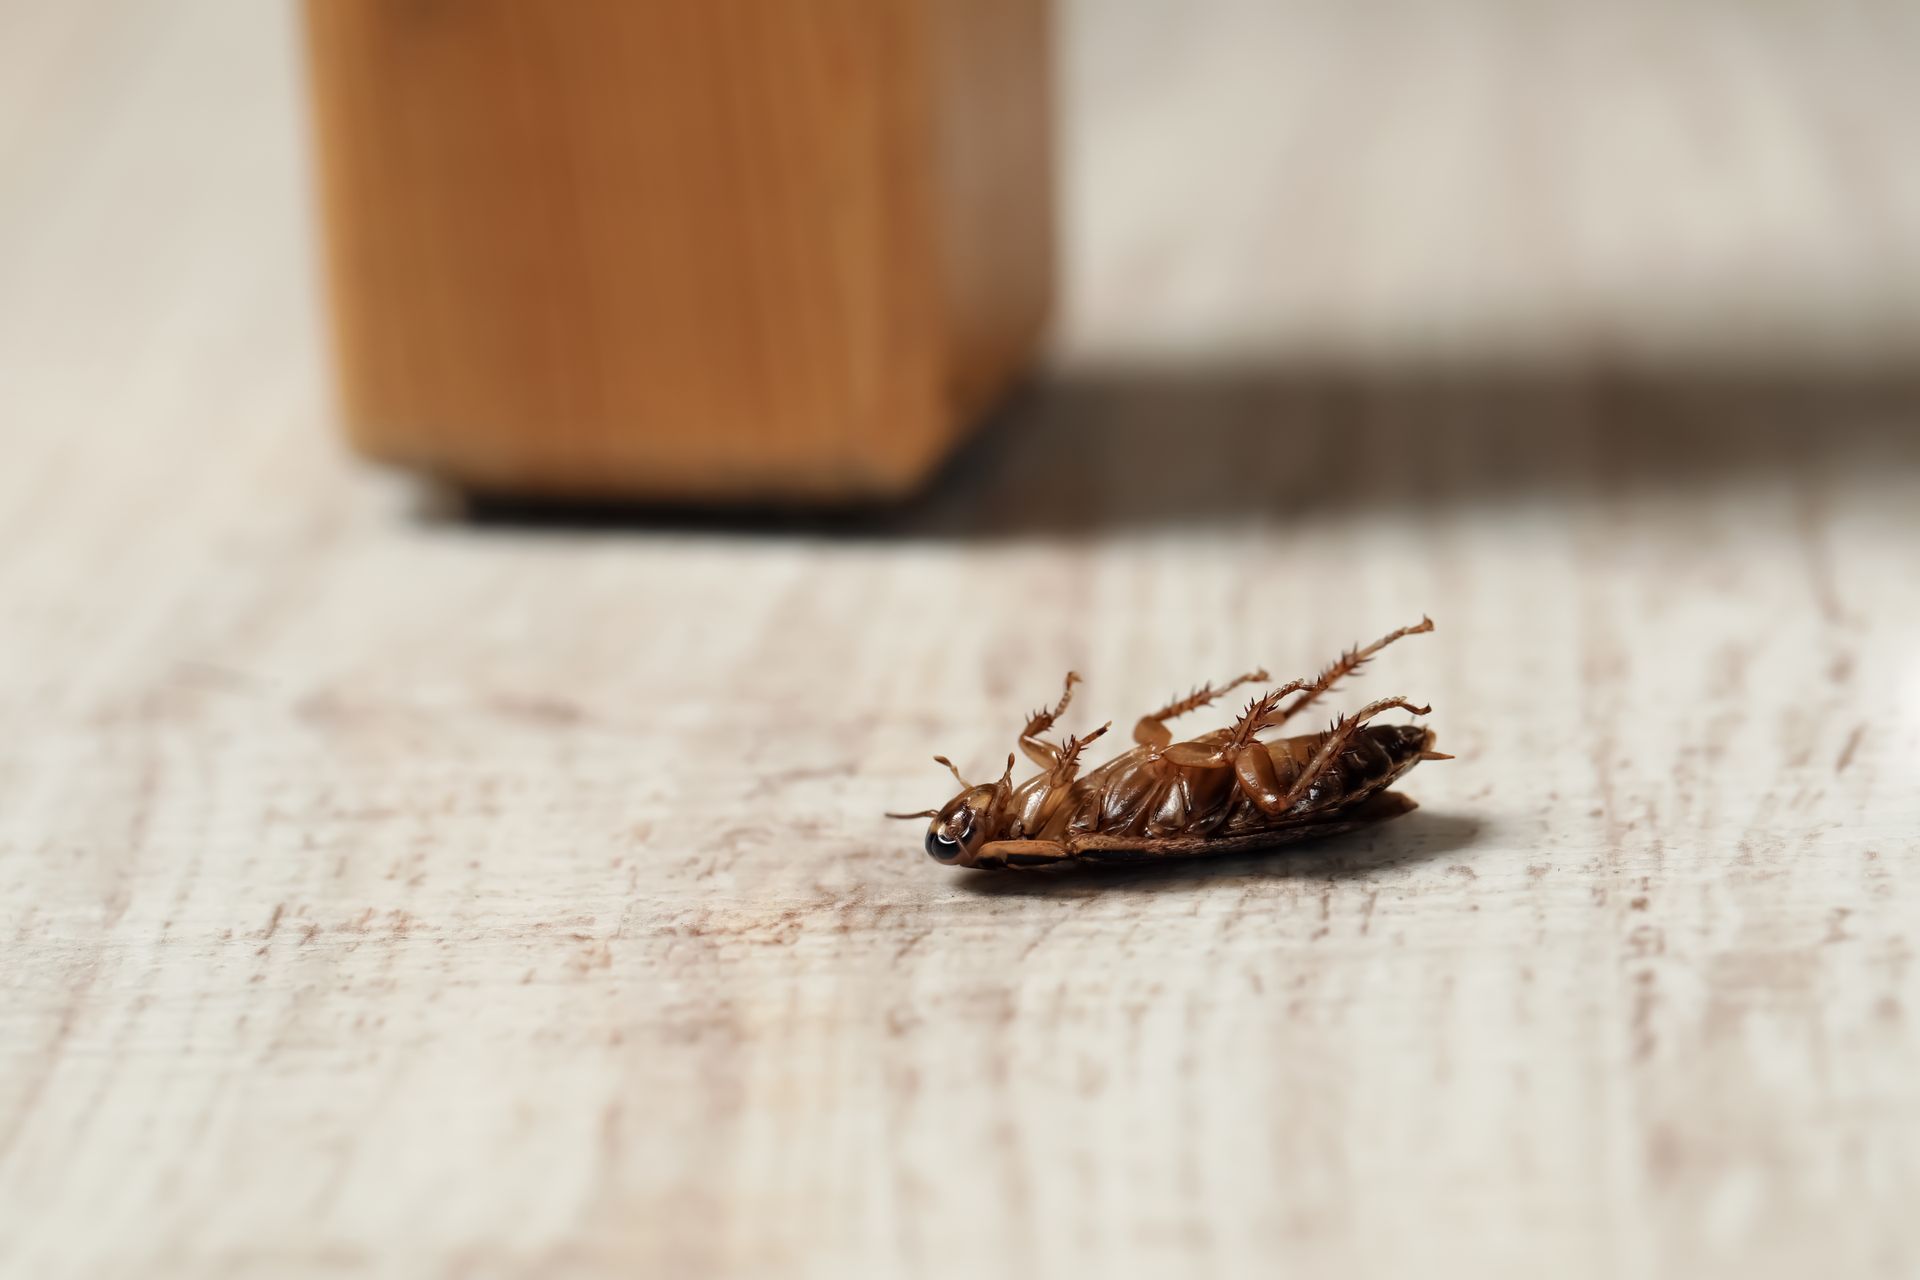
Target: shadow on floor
(1082,453)
(1422,836)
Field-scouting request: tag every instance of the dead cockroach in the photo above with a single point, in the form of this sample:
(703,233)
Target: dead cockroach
(1223,792)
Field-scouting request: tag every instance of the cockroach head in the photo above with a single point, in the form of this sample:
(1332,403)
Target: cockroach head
(967,821)
(963,824)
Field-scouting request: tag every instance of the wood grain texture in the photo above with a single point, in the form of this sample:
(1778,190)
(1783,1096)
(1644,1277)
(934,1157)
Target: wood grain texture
(388,892)
(682,250)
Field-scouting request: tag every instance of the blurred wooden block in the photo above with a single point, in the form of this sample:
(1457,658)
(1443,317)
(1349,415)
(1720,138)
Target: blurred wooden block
(682,249)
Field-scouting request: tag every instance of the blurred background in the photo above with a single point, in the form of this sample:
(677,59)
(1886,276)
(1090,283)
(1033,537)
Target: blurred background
(411,867)
(1646,185)
(1701,192)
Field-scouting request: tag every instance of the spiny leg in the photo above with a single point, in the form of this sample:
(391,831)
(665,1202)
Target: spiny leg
(1041,752)
(1152,730)
(1342,667)
(1262,713)
(1069,762)
(1059,779)
(1021,851)
(1219,750)
(1329,751)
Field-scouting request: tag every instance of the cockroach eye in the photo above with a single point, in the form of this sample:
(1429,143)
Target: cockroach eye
(942,848)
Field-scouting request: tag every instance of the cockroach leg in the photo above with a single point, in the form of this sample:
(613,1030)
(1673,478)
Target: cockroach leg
(964,784)
(1152,730)
(1262,713)
(1041,752)
(1342,667)
(1205,753)
(1067,766)
(1014,854)
(1253,773)
(1069,762)
(1219,750)
(1323,759)
(1059,781)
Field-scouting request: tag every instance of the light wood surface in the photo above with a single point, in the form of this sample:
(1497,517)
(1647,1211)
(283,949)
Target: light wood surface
(386,892)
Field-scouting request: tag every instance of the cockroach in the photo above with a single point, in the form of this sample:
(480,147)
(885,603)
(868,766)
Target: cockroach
(1223,792)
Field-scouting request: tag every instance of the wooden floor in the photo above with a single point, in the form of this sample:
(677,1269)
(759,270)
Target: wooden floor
(391,887)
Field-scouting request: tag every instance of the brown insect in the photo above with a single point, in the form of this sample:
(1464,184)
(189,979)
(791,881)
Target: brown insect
(1223,792)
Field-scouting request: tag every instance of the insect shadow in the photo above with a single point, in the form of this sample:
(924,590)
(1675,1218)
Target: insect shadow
(1422,836)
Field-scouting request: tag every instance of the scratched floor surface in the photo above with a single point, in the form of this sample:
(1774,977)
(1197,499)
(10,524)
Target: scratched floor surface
(386,889)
